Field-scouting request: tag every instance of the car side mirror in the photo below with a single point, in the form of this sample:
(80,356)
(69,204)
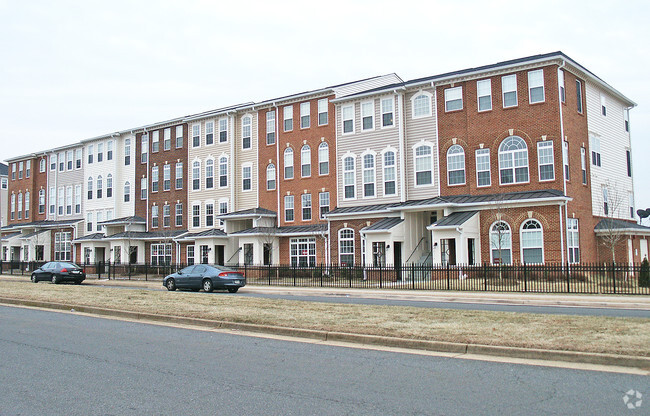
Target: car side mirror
(180,272)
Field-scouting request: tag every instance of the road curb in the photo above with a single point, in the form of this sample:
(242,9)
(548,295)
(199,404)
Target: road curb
(427,345)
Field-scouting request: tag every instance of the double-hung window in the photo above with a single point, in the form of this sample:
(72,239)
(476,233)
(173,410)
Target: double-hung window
(288,163)
(167,139)
(349,177)
(127,152)
(536,86)
(304,115)
(387,112)
(347,114)
(513,160)
(288,118)
(509,90)
(483,176)
(223,172)
(583,164)
(127,191)
(423,165)
(560,75)
(91,152)
(532,242)
(90,188)
(324,203)
(456,165)
(109,150)
(545,160)
(368,115)
(166,215)
(306,207)
(270,127)
(573,237)
(246,132)
(144,151)
(247,177)
(209,214)
(270,177)
(565,158)
(595,151)
(155,142)
(579,95)
(154,179)
(209,174)
(305,161)
(196,215)
(100,182)
(179,175)
(209,132)
(196,135)
(179,137)
(323,159)
(154,216)
(322,112)
(196,175)
(346,247)
(389,173)
(68,159)
(223,130)
(109,186)
(179,214)
(143,188)
(484,93)
(454,99)
(167,177)
(368,175)
(288,208)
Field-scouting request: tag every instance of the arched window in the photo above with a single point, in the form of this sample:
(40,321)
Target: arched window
(127,191)
(389,173)
(90,187)
(305,161)
(532,242)
(209,174)
(455,165)
(27,202)
(346,247)
(368,175)
(270,177)
(349,177)
(42,166)
(513,160)
(109,186)
(500,243)
(246,132)
(99,186)
(223,172)
(323,159)
(421,105)
(196,175)
(20,205)
(423,165)
(288,163)
(41,200)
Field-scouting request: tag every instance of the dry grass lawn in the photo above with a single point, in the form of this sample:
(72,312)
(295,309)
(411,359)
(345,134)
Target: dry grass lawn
(627,336)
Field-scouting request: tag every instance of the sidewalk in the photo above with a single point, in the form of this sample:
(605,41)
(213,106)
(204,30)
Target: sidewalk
(641,302)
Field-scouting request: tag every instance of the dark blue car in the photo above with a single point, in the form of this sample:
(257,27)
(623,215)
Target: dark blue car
(59,271)
(206,277)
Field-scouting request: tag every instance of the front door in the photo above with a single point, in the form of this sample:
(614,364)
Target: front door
(219,252)
(99,258)
(471,251)
(448,251)
(133,256)
(397,258)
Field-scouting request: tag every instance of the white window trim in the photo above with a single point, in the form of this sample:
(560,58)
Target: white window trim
(307,114)
(220,131)
(503,92)
(530,87)
(354,175)
(383,171)
(326,101)
(514,168)
(490,240)
(363,170)
(285,165)
(521,246)
(274,177)
(192,135)
(343,120)
(372,115)
(250,137)
(539,164)
(205,132)
(302,151)
(244,166)
(191,176)
(285,111)
(489,156)
(293,207)
(478,97)
(449,91)
(464,166)
(347,239)
(219,170)
(382,112)
(418,94)
(414,147)
(327,146)
(205,170)
(302,207)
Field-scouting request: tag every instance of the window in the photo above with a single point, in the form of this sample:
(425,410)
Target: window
(389,173)
(421,105)
(346,247)
(605,201)
(270,177)
(304,115)
(100,182)
(288,208)
(154,179)
(248,253)
(509,90)
(454,99)
(483,175)
(196,135)
(387,114)
(500,243)
(90,188)
(513,160)
(347,114)
(626,117)
(628,159)
(603,105)
(209,174)
(565,157)
(89,222)
(631,195)
(583,164)
(305,161)
(303,252)
(322,112)
(91,153)
(109,150)
(536,86)
(154,216)
(573,238)
(196,175)
(190,255)
(484,93)
(246,132)
(223,172)
(179,175)
(100,152)
(532,242)
(144,151)
(167,173)
(288,163)
(306,207)
(127,152)
(456,165)
(247,177)
(368,175)
(560,75)
(270,127)
(423,165)
(13,206)
(143,188)
(349,177)
(579,95)
(109,186)
(368,115)
(13,171)
(209,214)
(42,165)
(323,159)
(324,203)
(155,141)
(127,191)
(209,132)
(61,162)
(545,160)
(4,183)
(167,139)
(62,246)
(161,254)
(69,156)
(41,201)
(179,215)
(179,137)
(20,203)
(166,215)
(196,215)
(223,130)
(60,201)
(595,151)
(28,166)
(77,159)
(20,170)
(288,118)
(28,203)
(52,164)
(53,200)
(223,208)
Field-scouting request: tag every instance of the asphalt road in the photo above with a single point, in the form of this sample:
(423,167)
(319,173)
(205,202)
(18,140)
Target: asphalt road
(63,363)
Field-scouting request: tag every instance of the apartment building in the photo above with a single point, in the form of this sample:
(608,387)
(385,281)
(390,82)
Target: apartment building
(4,206)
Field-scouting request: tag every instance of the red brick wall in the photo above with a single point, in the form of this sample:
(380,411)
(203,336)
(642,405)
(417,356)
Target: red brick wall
(23,185)
(356,225)
(285,250)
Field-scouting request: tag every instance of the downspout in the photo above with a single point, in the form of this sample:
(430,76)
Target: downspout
(146,175)
(231,121)
(566,214)
(402,147)
(435,111)
(277,160)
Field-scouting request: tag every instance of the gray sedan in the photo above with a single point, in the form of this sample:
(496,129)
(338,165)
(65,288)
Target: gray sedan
(206,277)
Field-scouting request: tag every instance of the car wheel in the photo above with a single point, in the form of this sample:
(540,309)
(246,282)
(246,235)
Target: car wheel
(233,289)
(55,279)
(195,290)
(207,286)
(171,285)
(78,282)
(34,278)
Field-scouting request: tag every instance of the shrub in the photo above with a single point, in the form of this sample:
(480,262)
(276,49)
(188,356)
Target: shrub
(644,275)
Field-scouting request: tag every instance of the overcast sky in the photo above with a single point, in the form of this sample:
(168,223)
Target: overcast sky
(72,70)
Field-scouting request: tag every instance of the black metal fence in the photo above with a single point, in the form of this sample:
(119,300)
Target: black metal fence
(548,278)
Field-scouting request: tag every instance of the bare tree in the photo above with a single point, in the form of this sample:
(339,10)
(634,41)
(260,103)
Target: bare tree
(611,234)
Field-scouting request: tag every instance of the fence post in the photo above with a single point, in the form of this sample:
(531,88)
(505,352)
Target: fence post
(268,274)
(568,278)
(485,276)
(321,275)
(381,268)
(525,278)
(614,276)
(293,272)
(146,271)
(448,280)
